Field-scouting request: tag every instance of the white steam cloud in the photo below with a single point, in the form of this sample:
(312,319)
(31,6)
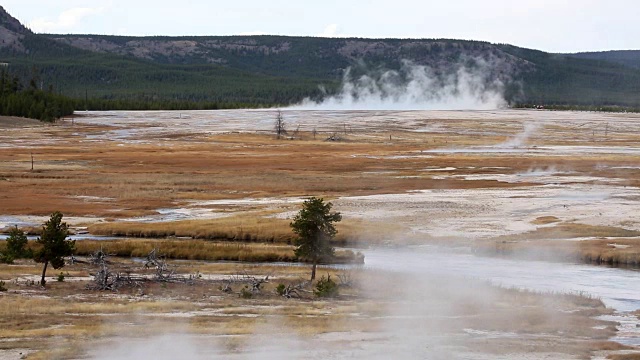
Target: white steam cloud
(418,87)
(521,138)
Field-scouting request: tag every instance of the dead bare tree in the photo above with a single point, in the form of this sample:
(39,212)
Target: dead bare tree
(296,132)
(98,257)
(345,279)
(253,283)
(163,273)
(104,279)
(256,283)
(280,125)
(290,291)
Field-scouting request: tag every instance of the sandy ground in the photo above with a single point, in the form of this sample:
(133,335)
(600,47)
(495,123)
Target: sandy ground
(487,213)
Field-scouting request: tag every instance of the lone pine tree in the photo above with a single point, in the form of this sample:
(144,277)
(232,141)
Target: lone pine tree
(314,226)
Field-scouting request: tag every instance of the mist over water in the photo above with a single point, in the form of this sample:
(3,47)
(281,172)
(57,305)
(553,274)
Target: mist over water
(418,87)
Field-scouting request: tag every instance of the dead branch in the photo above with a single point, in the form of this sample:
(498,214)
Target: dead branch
(163,273)
(345,279)
(244,278)
(105,279)
(291,291)
(333,137)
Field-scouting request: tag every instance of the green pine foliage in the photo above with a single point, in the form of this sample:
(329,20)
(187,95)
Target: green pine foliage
(326,288)
(31,102)
(227,72)
(314,228)
(16,246)
(54,245)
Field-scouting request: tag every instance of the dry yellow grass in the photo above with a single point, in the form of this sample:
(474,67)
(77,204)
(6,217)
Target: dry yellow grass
(620,252)
(203,250)
(544,220)
(250,227)
(190,249)
(571,230)
(244,227)
(143,177)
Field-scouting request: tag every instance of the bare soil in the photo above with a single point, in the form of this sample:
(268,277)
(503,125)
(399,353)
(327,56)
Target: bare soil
(8,122)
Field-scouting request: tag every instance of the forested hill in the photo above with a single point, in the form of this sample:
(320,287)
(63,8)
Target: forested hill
(629,58)
(267,70)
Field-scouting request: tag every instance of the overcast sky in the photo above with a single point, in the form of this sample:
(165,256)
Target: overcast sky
(550,25)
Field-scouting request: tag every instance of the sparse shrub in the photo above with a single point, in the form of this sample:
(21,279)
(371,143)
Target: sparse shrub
(15,247)
(326,288)
(60,277)
(3,286)
(346,279)
(280,289)
(6,258)
(245,293)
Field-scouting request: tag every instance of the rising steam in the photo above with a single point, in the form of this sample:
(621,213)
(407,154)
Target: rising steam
(521,138)
(418,87)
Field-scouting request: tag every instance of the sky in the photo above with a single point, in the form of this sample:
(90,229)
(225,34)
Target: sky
(549,25)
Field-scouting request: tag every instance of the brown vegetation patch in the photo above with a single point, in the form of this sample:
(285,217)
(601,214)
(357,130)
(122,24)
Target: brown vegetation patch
(191,250)
(7,122)
(619,252)
(571,230)
(633,356)
(244,227)
(544,220)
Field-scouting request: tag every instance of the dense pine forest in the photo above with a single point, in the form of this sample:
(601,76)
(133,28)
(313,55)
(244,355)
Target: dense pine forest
(30,101)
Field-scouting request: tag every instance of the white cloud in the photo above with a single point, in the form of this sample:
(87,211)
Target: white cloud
(67,20)
(330,31)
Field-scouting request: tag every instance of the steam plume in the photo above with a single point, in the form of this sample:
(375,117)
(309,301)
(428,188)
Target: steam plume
(521,138)
(418,87)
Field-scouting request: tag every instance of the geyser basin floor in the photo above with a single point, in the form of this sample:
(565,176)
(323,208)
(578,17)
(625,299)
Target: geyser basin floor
(560,175)
(425,316)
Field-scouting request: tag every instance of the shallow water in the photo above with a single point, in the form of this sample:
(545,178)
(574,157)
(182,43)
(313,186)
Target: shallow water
(70,237)
(619,289)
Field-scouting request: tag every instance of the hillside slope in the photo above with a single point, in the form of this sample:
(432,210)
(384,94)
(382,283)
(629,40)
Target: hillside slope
(280,70)
(630,58)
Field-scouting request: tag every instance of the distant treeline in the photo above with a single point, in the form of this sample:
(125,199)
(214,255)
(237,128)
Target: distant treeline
(148,104)
(31,102)
(597,108)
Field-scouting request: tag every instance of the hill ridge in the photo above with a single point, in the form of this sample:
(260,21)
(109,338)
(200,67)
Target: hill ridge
(268,70)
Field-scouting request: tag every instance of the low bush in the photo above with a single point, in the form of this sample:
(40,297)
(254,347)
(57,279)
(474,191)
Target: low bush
(326,288)
(245,293)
